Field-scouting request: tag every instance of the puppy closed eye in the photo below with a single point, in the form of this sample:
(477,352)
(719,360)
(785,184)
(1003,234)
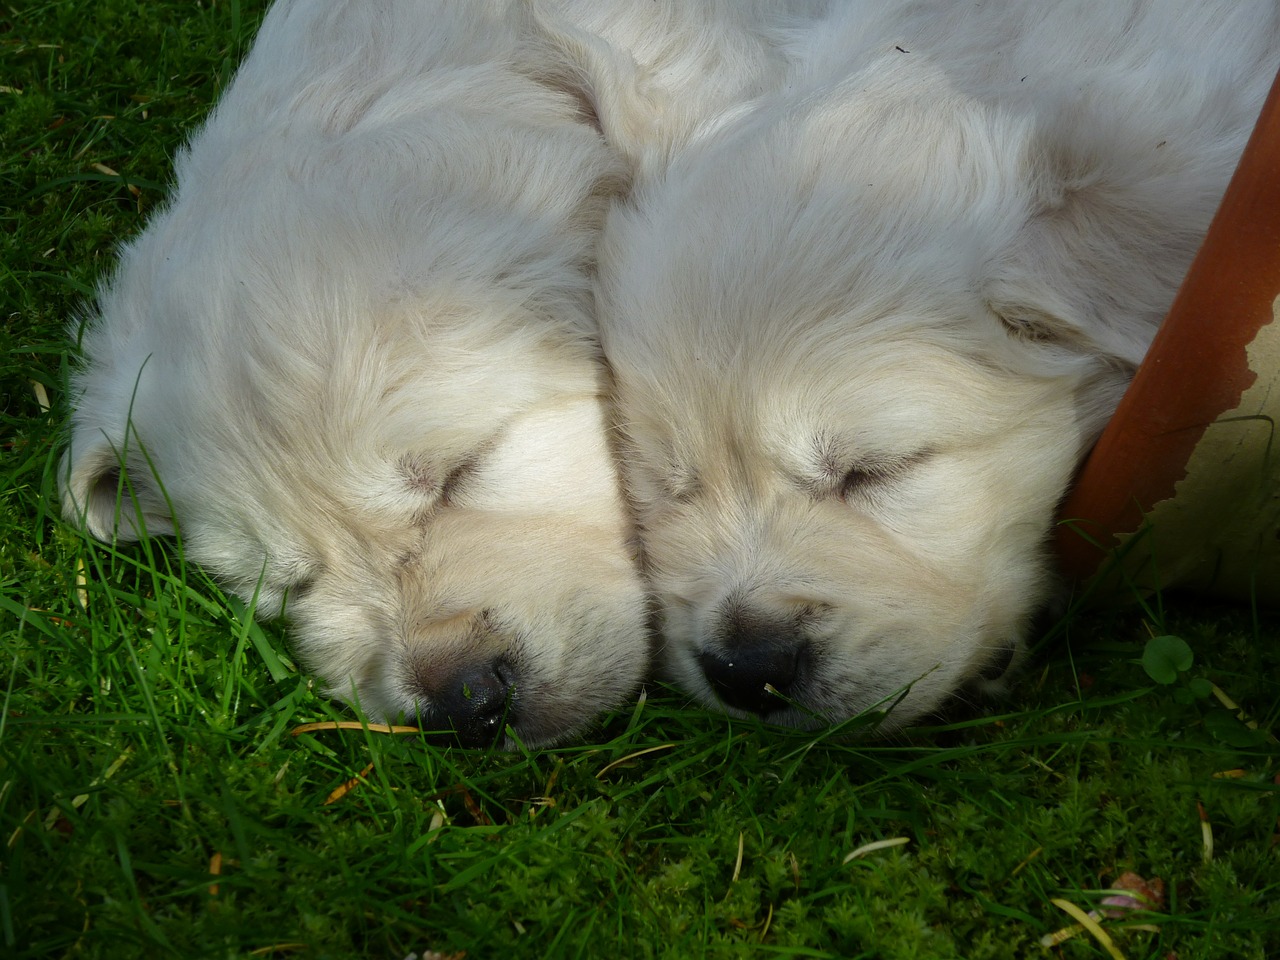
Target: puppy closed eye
(295,592)
(429,486)
(456,479)
(657,477)
(868,477)
(682,484)
(863,478)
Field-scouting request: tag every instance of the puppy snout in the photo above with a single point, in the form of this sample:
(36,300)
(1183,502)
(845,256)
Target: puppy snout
(477,703)
(754,664)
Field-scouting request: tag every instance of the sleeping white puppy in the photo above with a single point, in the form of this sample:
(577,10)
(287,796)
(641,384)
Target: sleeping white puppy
(862,336)
(353,364)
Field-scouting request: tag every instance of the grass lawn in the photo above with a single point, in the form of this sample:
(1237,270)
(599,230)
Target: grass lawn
(156,802)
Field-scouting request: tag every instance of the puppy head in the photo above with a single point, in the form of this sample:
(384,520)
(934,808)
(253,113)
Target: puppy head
(854,374)
(362,386)
(441,523)
(843,532)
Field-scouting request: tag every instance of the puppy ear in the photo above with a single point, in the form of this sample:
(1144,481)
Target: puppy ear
(110,501)
(1027,304)
(1113,225)
(1043,294)
(615,93)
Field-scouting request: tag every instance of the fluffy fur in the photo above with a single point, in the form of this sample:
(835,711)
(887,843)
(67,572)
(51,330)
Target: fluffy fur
(663,73)
(863,332)
(353,363)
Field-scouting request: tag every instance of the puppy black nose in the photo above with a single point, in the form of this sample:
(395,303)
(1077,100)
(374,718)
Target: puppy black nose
(478,703)
(754,662)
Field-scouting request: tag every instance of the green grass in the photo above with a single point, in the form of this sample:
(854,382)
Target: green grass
(146,753)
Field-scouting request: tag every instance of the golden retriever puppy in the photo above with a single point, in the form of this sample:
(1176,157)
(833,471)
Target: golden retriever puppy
(863,333)
(353,364)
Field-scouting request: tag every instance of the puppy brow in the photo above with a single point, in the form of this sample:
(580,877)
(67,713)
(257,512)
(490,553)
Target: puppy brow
(417,473)
(828,457)
(828,466)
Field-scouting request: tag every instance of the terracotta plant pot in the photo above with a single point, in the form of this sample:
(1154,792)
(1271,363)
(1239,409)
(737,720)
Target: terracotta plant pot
(1183,487)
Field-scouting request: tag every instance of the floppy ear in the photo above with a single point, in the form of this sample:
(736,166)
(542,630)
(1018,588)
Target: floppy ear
(1049,289)
(110,501)
(1112,227)
(616,94)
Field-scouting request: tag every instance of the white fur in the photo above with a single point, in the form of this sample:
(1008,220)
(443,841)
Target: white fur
(863,334)
(664,73)
(353,362)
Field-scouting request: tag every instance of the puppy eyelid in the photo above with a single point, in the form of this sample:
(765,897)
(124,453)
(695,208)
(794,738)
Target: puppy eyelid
(456,478)
(295,592)
(862,476)
(682,486)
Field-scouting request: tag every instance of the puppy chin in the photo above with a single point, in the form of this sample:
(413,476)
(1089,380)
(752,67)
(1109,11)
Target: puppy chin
(803,663)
